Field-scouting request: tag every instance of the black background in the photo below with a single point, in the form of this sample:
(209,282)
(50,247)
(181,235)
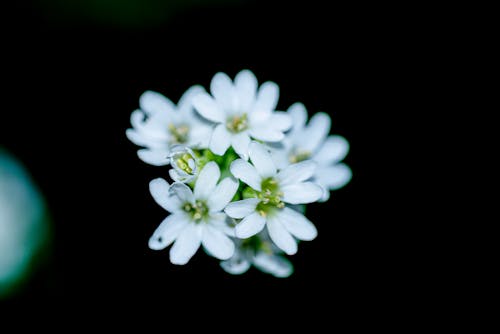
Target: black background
(69,89)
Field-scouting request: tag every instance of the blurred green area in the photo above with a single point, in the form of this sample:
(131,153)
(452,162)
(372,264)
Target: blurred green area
(122,13)
(24,227)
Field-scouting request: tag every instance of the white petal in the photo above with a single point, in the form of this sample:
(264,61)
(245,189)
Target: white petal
(298,113)
(223,91)
(142,139)
(152,102)
(159,189)
(273,264)
(250,226)
(297,224)
(333,150)
(267,97)
(208,108)
(241,209)
(297,172)
(262,160)
(221,139)
(199,136)
(280,236)
(280,121)
(247,173)
(168,231)
(183,192)
(316,131)
(186,101)
(207,180)
(334,177)
(155,158)
(240,143)
(266,133)
(186,245)
(223,194)
(301,193)
(236,265)
(217,243)
(246,87)
(222,222)
(326,194)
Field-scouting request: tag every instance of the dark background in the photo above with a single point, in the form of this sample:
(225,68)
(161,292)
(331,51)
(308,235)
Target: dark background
(71,81)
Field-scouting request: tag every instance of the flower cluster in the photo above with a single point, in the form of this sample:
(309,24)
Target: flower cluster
(241,170)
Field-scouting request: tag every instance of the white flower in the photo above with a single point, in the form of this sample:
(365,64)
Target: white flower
(273,190)
(312,142)
(159,124)
(259,253)
(184,163)
(241,112)
(197,218)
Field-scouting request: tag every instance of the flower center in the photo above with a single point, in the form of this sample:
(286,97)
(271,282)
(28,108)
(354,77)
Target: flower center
(196,211)
(270,197)
(237,123)
(298,156)
(179,133)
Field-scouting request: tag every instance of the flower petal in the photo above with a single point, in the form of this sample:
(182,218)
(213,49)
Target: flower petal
(247,173)
(298,113)
(152,102)
(297,172)
(208,108)
(223,91)
(266,133)
(275,265)
(154,157)
(168,231)
(315,132)
(236,265)
(241,209)
(217,243)
(297,224)
(246,87)
(160,190)
(301,193)
(186,245)
(262,160)
(221,139)
(141,139)
(186,101)
(267,97)
(250,226)
(333,150)
(183,192)
(223,194)
(280,236)
(334,177)
(280,120)
(222,222)
(240,143)
(207,180)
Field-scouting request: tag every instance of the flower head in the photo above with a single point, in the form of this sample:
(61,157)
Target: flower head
(312,142)
(241,112)
(196,217)
(271,191)
(259,252)
(159,124)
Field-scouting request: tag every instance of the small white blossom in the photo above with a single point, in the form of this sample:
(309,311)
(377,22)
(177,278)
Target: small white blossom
(196,217)
(159,124)
(273,189)
(184,163)
(312,142)
(262,254)
(241,112)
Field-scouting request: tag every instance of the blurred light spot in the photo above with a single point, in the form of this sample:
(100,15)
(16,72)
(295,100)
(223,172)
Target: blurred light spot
(23,224)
